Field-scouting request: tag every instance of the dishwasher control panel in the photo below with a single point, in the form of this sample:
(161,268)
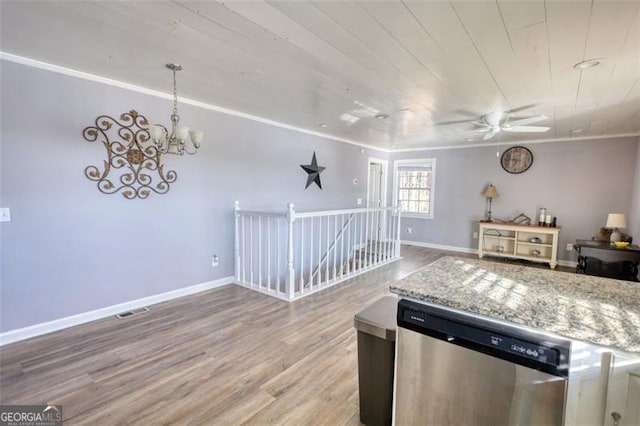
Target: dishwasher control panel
(511,343)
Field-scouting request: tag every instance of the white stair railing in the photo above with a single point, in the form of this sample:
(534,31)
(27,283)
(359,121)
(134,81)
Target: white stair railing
(292,254)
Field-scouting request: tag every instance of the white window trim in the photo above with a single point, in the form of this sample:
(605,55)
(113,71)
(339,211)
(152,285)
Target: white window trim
(416,162)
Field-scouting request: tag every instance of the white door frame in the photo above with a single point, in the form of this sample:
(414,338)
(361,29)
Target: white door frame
(385,169)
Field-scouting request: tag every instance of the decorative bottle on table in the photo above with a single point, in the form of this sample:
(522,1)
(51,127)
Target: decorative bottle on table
(542,216)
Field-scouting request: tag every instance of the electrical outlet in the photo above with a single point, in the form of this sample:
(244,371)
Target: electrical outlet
(569,247)
(215,261)
(475,235)
(359,201)
(5,215)
(409,230)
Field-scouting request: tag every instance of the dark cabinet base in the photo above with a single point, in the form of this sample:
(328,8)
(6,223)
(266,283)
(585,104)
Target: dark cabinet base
(622,270)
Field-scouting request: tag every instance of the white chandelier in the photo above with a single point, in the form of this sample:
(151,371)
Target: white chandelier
(176,141)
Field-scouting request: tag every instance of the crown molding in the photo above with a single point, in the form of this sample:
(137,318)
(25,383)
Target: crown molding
(163,95)
(536,141)
(186,101)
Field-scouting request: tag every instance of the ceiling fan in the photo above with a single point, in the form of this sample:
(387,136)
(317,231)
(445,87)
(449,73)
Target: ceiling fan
(503,121)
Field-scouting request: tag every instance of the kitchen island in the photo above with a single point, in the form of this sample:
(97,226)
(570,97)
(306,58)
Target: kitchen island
(600,316)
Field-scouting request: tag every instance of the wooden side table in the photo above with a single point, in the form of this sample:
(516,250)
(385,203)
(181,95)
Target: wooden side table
(605,260)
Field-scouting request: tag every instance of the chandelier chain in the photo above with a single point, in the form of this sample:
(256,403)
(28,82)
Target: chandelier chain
(175,94)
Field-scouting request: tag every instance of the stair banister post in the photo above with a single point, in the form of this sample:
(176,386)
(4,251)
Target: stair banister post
(236,240)
(290,277)
(397,253)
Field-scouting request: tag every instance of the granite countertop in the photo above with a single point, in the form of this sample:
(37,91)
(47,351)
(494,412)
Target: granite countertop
(582,307)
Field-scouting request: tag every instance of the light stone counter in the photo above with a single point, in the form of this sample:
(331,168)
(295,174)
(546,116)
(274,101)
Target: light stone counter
(582,307)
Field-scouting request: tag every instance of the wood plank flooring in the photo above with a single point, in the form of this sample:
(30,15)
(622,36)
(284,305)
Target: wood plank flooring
(227,356)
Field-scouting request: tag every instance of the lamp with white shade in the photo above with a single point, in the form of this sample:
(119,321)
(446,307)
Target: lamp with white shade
(615,221)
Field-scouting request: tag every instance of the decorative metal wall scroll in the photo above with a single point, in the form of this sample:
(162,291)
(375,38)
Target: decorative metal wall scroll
(313,172)
(133,164)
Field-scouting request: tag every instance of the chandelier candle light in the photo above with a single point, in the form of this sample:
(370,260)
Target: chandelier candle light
(176,141)
(491,192)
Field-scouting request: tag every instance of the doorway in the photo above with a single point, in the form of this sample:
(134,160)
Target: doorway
(377,183)
(377,196)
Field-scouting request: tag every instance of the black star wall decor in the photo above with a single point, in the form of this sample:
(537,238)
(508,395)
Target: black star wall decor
(313,171)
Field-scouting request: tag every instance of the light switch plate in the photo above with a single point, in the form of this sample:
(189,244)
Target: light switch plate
(359,201)
(5,214)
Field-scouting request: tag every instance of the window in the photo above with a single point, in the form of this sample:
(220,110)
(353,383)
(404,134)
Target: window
(414,182)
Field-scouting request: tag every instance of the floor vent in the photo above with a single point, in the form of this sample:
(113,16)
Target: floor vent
(132,313)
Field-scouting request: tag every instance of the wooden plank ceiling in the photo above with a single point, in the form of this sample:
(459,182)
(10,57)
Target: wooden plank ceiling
(343,63)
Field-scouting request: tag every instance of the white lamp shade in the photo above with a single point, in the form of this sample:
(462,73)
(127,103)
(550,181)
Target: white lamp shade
(196,137)
(182,132)
(156,131)
(616,220)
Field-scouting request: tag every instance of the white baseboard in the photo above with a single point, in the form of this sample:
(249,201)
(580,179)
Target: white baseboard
(70,321)
(440,247)
(568,263)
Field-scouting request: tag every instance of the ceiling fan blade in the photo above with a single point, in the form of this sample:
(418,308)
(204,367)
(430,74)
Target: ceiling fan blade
(527,120)
(489,135)
(511,111)
(524,129)
(478,131)
(441,123)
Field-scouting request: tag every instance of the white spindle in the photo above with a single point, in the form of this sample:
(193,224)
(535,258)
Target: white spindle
(366,238)
(342,237)
(302,256)
(360,248)
(370,240)
(236,240)
(251,249)
(269,253)
(367,242)
(319,251)
(349,248)
(382,238)
(387,227)
(259,250)
(278,263)
(397,251)
(310,281)
(378,234)
(290,282)
(244,252)
(335,249)
(326,253)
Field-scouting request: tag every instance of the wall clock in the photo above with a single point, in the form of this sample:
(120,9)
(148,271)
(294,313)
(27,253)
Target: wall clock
(516,159)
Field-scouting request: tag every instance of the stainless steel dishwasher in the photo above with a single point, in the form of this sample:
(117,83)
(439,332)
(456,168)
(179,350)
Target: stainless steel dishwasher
(454,368)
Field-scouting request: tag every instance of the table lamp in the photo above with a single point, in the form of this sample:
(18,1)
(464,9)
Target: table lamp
(614,222)
(491,192)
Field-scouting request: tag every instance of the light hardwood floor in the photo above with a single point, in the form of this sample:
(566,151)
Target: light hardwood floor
(227,356)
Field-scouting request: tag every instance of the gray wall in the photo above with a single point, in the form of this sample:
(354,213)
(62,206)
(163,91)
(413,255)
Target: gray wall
(71,249)
(579,182)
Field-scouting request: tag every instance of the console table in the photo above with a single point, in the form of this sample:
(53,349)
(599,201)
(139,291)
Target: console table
(533,243)
(605,260)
